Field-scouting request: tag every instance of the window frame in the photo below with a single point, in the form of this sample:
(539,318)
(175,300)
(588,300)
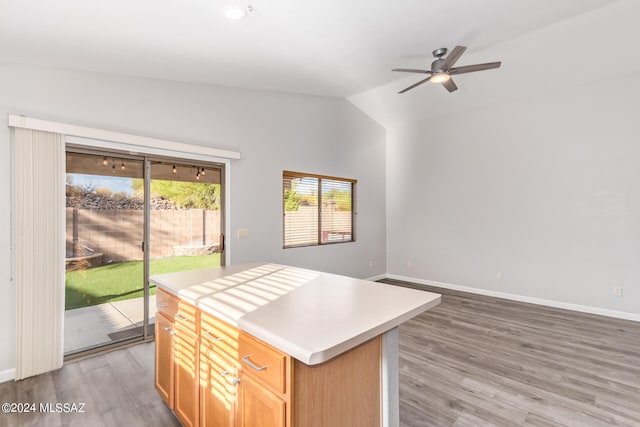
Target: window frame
(292,175)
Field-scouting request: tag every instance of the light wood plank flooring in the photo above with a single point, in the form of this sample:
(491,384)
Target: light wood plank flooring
(482,361)
(116,387)
(471,361)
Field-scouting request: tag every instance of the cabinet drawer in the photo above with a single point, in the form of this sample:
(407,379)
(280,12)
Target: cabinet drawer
(263,362)
(220,335)
(166,303)
(186,317)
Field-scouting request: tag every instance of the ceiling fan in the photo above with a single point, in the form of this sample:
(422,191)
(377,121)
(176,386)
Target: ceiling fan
(442,68)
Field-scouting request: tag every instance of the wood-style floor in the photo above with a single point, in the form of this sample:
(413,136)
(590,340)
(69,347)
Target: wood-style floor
(482,361)
(471,361)
(117,389)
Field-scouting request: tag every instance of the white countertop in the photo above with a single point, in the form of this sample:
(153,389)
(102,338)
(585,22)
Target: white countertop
(310,315)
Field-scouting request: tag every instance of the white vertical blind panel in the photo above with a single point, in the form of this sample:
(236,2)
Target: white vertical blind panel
(39,227)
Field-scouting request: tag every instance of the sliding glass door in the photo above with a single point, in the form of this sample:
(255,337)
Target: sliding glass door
(185,217)
(104,266)
(129,217)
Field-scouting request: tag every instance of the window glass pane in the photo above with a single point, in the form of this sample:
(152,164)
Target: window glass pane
(300,211)
(317,210)
(336,225)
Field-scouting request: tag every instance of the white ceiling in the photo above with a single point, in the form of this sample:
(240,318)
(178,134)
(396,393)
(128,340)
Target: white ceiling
(330,47)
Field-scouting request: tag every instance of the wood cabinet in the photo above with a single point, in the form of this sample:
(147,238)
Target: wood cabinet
(218,382)
(223,377)
(243,381)
(342,392)
(177,356)
(258,406)
(219,372)
(164,368)
(186,378)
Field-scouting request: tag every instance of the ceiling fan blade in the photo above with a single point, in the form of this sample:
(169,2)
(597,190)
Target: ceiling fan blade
(453,57)
(473,68)
(412,70)
(415,84)
(450,85)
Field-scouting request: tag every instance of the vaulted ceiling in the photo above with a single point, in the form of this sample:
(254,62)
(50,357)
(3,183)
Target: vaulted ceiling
(331,47)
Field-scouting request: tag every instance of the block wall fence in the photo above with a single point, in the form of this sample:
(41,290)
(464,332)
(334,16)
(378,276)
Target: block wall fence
(118,234)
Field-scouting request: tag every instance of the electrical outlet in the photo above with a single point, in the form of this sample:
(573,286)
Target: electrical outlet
(370,264)
(409,264)
(617,291)
(243,233)
(499,275)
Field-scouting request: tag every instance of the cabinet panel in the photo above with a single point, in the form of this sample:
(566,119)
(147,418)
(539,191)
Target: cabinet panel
(164,359)
(258,407)
(218,392)
(186,377)
(343,392)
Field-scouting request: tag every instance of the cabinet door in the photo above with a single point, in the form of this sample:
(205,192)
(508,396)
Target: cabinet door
(186,377)
(164,359)
(218,393)
(257,406)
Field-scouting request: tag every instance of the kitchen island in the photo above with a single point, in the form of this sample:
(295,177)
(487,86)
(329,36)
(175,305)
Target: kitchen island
(270,345)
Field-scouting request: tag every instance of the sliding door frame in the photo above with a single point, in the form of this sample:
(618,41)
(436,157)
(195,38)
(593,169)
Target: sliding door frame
(148,159)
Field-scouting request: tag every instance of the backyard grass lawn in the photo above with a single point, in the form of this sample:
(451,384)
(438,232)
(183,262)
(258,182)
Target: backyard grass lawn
(123,280)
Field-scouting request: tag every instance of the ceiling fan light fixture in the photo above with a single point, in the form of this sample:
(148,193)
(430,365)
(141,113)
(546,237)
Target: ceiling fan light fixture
(443,67)
(440,78)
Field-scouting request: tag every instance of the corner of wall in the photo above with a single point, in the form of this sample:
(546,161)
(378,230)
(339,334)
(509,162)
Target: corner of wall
(7,375)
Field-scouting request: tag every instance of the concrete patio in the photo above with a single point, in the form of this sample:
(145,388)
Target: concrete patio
(104,323)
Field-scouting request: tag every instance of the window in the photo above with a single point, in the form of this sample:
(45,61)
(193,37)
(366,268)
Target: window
(317,210)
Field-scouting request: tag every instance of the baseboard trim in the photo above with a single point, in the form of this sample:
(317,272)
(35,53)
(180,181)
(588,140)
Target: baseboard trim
(7,375)
(376,278)
(514,297)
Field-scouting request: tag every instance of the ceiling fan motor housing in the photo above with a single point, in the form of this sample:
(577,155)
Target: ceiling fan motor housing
(440,53)
(437,66)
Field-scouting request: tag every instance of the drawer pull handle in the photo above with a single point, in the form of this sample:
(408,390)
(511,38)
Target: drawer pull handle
(162,305)
(224,373)
(212,337)
(246,360)
(181,318)
(235,381)
(172,333)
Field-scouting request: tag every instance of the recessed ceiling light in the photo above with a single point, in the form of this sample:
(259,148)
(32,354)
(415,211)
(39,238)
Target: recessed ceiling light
(235,13)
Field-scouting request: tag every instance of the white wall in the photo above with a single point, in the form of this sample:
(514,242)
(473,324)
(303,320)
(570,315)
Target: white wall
(273,131)
(545,190)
